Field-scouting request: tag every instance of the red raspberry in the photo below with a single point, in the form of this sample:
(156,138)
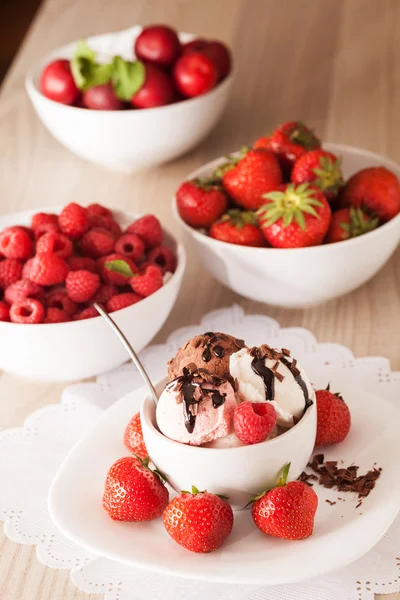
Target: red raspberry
(164,258)
(55,315)
(28,311)
(97,242)
(73,221)
(55,243)
(122,301)
(254,421)
(46,228)
(41,219)
(111,277)
(82,285)
(20,228)
(148,283)
(98,210)
(82,263)
(149,229)
(4,311)
(10,272)
(48,269)
(26,269)
(105,292)
(22,289)
(60,299)
(87,313)
(130,244)
(16,243)
(105,223)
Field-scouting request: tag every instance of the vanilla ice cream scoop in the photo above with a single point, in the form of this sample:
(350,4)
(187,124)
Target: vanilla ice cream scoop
(196,408)
(267,374)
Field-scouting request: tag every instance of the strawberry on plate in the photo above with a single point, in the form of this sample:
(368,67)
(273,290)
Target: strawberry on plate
(263,142)
(376,190)
(250,175)
(238,227)
(321,168)
(287,511)
(201,202)
(295,216)
(333,418)
(198,521)
(133,437)
(291,140)
(347,223)
(133,492)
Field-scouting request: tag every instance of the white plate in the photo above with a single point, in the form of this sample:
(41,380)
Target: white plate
(342,532)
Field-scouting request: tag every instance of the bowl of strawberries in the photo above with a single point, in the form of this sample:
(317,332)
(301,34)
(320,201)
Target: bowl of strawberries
(55,263)
(132,99)
(292,222)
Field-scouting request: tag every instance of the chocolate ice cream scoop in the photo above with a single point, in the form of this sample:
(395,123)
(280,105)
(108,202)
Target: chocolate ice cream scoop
(209,351)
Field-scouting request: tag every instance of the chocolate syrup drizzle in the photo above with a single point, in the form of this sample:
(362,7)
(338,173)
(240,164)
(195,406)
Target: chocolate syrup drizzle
(218,350)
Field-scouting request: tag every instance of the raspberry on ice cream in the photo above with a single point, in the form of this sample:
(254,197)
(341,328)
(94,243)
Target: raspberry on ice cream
(196,408)
(209,351)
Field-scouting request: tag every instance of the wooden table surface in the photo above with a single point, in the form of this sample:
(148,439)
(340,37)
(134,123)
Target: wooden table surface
(333,63)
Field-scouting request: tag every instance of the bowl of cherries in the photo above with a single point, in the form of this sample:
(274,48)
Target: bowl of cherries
(132,99)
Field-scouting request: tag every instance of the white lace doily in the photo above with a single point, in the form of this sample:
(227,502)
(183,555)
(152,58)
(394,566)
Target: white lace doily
(31,455)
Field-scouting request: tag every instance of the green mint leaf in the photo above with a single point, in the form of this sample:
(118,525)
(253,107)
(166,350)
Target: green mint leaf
(127,77)
(86,72)
(119,266)
(82,50)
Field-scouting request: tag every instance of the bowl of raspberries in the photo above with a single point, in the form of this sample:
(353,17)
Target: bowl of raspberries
(290,221)
(55,263)
(132,99)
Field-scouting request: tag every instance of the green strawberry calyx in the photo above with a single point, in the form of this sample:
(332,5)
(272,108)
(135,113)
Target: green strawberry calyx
(303,136)
(121,267)
(282,480)
(337,394)
(239,218)
(145,464)
(232,161)
(196,491)
(208,183)
(289,205)
(329,174)
(360,223)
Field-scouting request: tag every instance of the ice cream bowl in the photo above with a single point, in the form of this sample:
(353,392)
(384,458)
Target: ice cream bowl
(239,473)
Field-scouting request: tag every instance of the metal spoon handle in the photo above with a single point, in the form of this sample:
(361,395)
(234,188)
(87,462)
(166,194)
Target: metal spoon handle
(129,349)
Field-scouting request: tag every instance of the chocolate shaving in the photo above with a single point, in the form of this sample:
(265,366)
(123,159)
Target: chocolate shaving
(285,352)
(330,502)
(307,478)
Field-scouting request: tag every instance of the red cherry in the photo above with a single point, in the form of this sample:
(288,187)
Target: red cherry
(195,74)
(197,45)
(57,83)
(221,56)
(157,90)
(158,44)
(102,97)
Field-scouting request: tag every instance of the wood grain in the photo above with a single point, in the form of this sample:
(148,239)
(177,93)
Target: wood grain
(333,63)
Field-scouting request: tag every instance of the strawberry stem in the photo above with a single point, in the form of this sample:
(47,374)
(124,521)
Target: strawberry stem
(284,475)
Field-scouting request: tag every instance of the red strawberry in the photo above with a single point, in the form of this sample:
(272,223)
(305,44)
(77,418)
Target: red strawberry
(22,289)
(121,301)
(82,263)
(149,229)
(287,511)
(55,315)
(98,210)
(4,311)
(48,269)
(73,221)
(263,142)
(291,140)
(81,286)
(10,272)
(375,189)
(347,223)
(163,257)
(133,492)
(200,203)
(333,418)
(133,437)
(321,168)
(254,421)
(249,176)
(28,311)
(16,243)
(110,276)
(97,242)
(59,299)
(131,245)
(56,243)
(295,216)
(147,283)
(198,521)
(238,227)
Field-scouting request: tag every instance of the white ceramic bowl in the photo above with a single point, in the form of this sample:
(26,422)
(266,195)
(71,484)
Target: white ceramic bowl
(127,140)
(80,349)
(239,473)
(300,277)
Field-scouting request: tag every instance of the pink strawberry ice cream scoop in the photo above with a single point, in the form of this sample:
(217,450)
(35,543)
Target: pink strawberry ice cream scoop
(196,408)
